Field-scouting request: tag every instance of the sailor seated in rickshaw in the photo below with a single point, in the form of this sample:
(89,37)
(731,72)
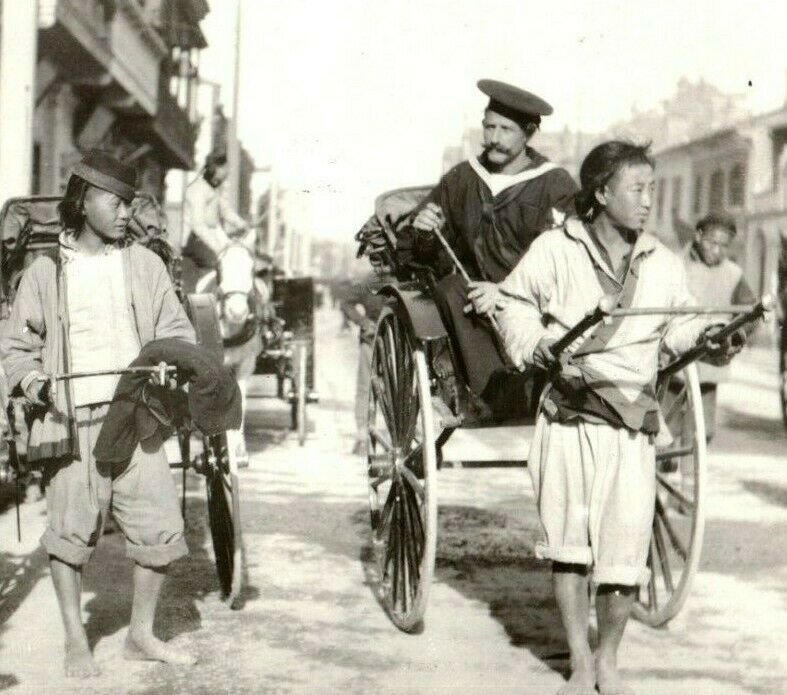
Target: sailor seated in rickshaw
(488,209)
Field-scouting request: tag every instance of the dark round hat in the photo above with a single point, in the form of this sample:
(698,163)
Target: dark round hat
(104,171)
(513,102)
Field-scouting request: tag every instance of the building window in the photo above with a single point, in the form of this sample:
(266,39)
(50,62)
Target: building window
(737,185)
(660,198)
(697,195)
(677,195)
(716,193)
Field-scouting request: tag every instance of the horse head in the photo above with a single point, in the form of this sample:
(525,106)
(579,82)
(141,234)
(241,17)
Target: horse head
(240,296)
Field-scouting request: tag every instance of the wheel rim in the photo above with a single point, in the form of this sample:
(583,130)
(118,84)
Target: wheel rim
(401,466)
(221,484)
(678,522)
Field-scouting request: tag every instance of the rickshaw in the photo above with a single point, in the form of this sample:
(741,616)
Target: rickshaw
(288,347)
(416,426)
(29,227)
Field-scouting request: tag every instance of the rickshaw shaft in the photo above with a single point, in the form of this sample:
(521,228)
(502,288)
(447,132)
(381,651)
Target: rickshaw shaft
(105,372)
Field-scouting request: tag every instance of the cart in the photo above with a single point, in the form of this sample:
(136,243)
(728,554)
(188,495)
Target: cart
(288,346)
(29,227)
(413,432)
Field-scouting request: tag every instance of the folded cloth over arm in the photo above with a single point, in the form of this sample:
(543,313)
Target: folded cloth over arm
(139,409)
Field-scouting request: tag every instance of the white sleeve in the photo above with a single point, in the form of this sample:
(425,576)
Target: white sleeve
(196,202)
(683,331)
(528,289)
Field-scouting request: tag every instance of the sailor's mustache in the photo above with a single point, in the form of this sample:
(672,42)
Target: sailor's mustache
(496,148)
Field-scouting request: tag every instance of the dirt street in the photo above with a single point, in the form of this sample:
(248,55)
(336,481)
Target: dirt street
(310,622)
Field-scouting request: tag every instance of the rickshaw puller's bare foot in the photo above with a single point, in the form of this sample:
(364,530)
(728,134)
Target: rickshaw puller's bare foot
(150,648)
(79,662)
(609,680)
(581,682)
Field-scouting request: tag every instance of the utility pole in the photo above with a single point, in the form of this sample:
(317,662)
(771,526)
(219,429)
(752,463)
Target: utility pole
(18,48)
(233,145)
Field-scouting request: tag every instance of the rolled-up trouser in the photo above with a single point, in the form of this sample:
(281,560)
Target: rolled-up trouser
(595,488)
(140,492)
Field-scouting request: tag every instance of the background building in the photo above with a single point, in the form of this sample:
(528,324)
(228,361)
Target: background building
(115,74)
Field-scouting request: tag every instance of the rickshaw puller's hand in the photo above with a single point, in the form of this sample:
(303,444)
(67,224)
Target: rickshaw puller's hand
(542,355)
(368,328)
(485,297)
(720,352)
(429,218)
(39,392)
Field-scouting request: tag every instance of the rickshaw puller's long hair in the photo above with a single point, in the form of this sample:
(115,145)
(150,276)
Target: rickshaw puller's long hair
(598,168)
(71,208)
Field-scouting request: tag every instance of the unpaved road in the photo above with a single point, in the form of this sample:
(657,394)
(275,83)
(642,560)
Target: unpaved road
(310,622)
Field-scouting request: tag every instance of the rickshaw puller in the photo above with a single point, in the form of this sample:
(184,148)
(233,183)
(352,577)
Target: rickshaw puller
(489,208)
(715,280)
(91,305)
(592,459)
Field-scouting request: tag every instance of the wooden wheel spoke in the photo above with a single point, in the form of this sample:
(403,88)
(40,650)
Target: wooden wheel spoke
(672,534)
(661,549)
(679,399)
(667,454)
(414,483)
(675,492)
(387,512)
(380,395)
(413,546)
(392,550)
(380,438)
(388,382)
(417,528)
(402,554)
(416,453)
(379,469)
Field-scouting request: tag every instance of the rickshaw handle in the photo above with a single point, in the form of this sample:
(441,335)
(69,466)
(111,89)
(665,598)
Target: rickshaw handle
(162,370)
(604,309)
(765,305)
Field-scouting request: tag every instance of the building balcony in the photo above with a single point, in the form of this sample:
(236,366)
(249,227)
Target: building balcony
(107,46)
(175,131)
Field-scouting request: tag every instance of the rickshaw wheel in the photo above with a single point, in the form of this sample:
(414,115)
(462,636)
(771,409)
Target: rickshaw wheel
(679,519)
(221,483)
(402,469)
(299,368)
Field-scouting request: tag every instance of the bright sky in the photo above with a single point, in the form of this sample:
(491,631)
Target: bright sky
(349,98)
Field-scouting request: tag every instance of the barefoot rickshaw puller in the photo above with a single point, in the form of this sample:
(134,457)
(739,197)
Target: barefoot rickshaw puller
(489,209)
(90,305)
(592,458)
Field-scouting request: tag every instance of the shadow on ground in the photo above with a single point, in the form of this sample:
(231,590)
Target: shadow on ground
(190,580)
(485,556)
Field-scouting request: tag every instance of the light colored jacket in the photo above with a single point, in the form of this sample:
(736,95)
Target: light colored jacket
(35,338)
(717,285)
(207,213)
(555,285)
